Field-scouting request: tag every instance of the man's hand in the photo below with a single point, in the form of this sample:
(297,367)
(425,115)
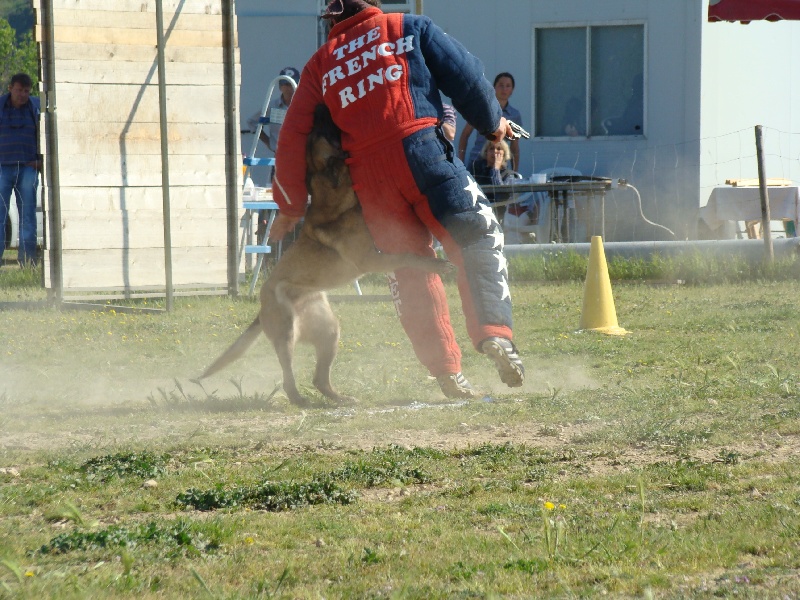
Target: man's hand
(503,131)
(282,225)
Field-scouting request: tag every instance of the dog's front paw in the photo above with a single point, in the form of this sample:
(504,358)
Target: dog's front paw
(300,401)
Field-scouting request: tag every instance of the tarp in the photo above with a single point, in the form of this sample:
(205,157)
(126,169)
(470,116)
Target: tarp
(753,10)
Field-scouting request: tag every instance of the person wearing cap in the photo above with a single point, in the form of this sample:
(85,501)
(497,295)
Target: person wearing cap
(276,112)
(277,109)
(381,76)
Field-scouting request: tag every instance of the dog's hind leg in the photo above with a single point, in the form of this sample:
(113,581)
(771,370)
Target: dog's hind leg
(278,320)
(319,326)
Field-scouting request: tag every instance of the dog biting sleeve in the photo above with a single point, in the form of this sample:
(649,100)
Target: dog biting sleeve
(380,76)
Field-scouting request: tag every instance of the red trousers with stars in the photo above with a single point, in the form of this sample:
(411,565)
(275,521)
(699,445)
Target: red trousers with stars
(410,191)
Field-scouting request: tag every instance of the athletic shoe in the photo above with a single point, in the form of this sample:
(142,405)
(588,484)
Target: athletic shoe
(506,359)
(455,385)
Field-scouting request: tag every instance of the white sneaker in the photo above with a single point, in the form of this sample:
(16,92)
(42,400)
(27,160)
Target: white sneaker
(455,385)
(505,357)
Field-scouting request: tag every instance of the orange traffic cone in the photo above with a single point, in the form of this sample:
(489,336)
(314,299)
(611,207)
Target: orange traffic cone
(599,313)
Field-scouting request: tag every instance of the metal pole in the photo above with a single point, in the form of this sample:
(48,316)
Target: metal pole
(762,188)
(51,141)
(232,158)
(603,215)
(162,109)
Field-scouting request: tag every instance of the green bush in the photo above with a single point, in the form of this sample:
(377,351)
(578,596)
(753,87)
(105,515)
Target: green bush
(692,267)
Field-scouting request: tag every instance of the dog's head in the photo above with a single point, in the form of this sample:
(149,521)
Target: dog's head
(324,154)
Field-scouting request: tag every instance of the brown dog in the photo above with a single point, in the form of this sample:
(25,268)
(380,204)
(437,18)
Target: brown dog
(334,248)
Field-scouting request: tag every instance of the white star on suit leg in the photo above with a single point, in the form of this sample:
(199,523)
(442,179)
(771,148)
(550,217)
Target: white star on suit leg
(474,189)
(498,238)
(487,213)
(504,285)
(502,262)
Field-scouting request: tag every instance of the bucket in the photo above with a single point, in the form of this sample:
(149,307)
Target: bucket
(538,178)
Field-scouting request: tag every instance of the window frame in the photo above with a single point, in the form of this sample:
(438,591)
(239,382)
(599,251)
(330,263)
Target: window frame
(588,26)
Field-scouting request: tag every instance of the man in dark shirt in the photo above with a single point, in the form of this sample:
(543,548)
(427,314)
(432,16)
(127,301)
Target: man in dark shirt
(19,163)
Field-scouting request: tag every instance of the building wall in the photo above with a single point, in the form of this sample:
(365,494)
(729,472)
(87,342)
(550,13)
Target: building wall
(695,92)
(660,164)
(271,37)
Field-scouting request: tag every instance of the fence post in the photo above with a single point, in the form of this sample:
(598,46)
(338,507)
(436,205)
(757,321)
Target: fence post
(762,188)
(162,112)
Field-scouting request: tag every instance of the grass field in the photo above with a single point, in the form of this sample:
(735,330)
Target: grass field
(663,464)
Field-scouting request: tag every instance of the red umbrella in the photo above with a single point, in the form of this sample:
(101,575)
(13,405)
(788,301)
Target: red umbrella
(753,10)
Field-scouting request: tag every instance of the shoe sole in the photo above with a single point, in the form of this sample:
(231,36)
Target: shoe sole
(465,395)
(455,391)
(460,393)
(510,372)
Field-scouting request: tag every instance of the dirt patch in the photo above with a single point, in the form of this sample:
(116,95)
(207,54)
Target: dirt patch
(260,432)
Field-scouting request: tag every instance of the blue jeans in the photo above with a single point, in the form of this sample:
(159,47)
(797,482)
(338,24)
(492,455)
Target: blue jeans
(24,181)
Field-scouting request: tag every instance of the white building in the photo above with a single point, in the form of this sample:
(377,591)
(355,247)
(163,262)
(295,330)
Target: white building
(704,88)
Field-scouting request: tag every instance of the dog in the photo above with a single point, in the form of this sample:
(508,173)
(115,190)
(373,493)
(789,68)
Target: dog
(334,247)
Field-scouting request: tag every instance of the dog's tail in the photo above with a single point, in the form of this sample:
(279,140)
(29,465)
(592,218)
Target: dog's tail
(237,349)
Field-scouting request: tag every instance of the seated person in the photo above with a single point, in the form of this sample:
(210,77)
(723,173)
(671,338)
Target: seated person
(491,168)
(574,120)
(521,221)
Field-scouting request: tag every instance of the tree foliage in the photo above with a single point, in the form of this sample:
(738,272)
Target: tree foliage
(17,56)
(19,14)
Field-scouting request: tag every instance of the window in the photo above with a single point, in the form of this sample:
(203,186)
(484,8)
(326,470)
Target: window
(403,6)
(589,75)
(406,6)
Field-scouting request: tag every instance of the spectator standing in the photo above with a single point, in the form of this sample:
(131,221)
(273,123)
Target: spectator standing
(380,76)
(19,163)
(449,122)
(276,111)
(503,88)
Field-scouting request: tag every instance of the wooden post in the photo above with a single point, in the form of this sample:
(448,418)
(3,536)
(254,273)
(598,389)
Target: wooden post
(233,160)
(162,109)
(762,188)
(51,143)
